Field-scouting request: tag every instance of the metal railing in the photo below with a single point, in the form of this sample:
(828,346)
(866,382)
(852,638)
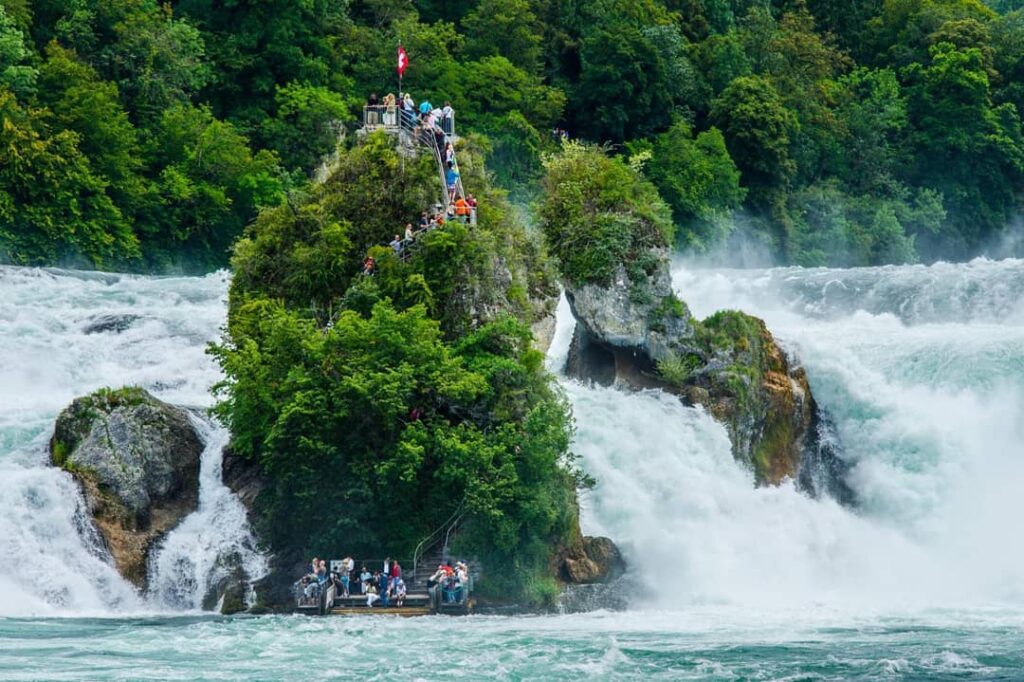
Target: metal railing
(396,116)
(430,541)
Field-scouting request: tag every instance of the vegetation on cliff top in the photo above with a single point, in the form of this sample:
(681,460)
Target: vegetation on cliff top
(377,406)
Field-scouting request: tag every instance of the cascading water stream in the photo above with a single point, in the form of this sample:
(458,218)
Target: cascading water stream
(211,542)
(62,335)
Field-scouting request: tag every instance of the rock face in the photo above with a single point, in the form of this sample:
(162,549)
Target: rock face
(643,319)
(592,560)
(137,460)
(115,324)
(639,335)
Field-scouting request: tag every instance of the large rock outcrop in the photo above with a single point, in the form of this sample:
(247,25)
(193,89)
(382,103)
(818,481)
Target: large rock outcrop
(637,334)
(137,460)
(591,560)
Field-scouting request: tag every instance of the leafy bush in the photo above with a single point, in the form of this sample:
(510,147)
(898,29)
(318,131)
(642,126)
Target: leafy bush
(597,213)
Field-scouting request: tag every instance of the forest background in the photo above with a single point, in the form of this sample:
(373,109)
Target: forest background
(146,136)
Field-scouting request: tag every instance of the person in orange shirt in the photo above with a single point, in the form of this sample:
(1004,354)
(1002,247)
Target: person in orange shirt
(462,210)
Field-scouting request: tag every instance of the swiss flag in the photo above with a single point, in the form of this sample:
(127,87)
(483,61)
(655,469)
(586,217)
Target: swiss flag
(403,60)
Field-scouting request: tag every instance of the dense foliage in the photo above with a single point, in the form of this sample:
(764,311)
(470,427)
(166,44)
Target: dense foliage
(598,214)
(147,134)
(379,406)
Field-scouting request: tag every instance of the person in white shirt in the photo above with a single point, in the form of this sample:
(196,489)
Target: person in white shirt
(399,591)
(448,115)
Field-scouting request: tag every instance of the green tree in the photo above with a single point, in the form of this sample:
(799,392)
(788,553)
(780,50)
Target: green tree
(871,112)
(901,33)
(210,186)
(505,28)
(597,213)
(758,129)
(698,179)
(82,102)
(16,73)
(156,60)
(53,207)
(306,124)
(966,148)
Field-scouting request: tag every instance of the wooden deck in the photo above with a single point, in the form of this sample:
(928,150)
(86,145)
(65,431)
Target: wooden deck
(404,611)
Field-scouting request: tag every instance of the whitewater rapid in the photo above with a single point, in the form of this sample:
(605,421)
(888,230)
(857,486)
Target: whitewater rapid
(921,368)
(51,562)
(923,371)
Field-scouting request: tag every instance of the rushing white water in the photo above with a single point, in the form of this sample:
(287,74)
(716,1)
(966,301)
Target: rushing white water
(923,371)
(50,559)
(921,368)
(207,544)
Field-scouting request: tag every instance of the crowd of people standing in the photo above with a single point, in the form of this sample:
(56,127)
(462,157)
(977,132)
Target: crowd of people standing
(386,586)
(449,584)
(425,120)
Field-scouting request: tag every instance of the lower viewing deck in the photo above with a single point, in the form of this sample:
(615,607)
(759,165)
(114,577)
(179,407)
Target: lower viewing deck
(425,591)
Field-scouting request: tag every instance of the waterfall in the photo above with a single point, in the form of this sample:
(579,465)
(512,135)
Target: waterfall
(922,370)
(209,544)
(64,334)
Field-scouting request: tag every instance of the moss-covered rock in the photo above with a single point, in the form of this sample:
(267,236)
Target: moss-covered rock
(137,460)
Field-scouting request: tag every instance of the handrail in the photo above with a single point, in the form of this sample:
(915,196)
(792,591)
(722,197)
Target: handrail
(421,548)
(390,116)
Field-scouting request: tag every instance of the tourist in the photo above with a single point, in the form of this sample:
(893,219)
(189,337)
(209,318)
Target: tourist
(448,119)
(365,578)
(449,153)
(383,583)
(399,592)
(451,176)
(372,110)
(347,566)
(370,590)
(369,266)
(396,574)
(435,119)
(390,110)
(439,140)
(424,221)
(321,572)
(449,214)
(396,244)
(462,209)
(425,109)
(410,236)
(408,112)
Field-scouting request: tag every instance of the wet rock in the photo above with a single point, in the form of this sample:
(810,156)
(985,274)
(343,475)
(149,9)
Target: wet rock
(109,324)
(242,476)
(592,560)
(638,335)
(231,589)
(137,460)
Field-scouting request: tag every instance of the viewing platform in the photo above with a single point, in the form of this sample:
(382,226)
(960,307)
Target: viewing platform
(451,595)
